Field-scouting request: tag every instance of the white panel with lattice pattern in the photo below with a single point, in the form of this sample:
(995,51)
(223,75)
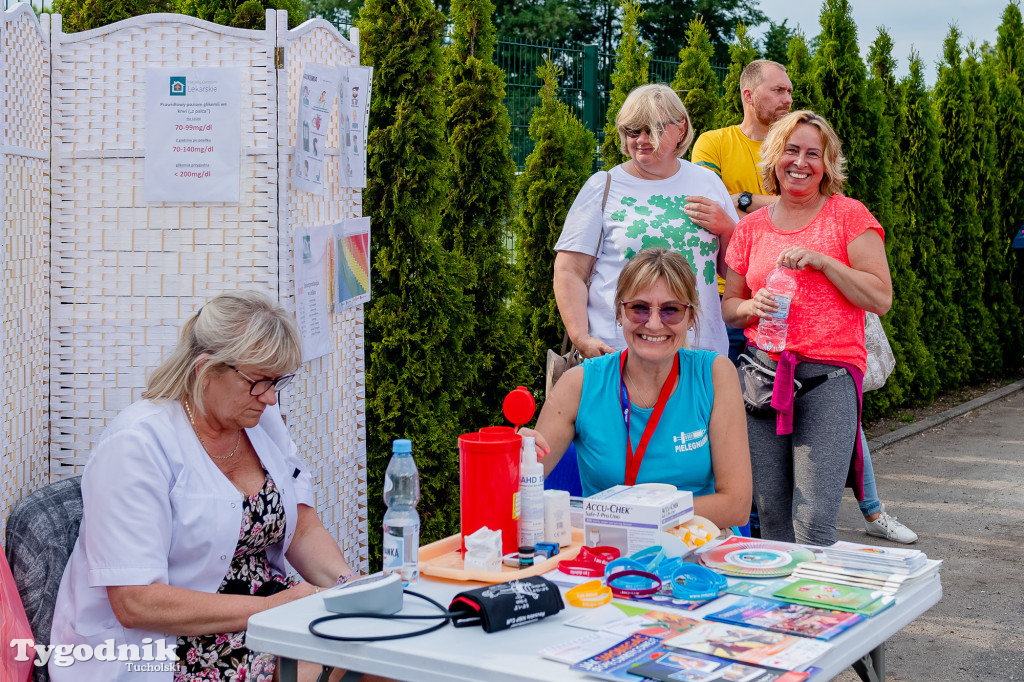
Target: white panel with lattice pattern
(24,253)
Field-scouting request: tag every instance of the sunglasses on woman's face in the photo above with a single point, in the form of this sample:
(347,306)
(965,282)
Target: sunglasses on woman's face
(638,312)
(634,133)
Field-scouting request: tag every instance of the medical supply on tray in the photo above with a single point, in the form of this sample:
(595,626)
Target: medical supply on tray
(483,550)
(630,517)
(531,495)
(557,522)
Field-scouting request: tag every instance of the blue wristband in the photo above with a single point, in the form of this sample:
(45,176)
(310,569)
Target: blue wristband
(694,583)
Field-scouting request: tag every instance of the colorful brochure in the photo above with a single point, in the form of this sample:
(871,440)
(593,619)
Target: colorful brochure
(791,619)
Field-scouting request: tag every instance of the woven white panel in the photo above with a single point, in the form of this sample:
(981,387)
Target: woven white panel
(126,274)
(24,253)
(329,397)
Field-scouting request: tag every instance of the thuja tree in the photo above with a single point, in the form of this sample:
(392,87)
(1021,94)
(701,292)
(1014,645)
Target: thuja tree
(478,212)
(914,363)
(901,322)
(1010,133)
(556,169)
(632,57)
(741,52)
(954,98)
(840,74)
(418,317)
(982,68)
(921,175)
(242,13)
(81,15)
(695,80)
(800,67)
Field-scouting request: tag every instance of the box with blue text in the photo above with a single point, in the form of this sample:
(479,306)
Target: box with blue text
(630,517)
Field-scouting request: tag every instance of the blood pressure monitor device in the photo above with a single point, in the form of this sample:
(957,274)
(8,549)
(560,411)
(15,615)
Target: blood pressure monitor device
(377,593)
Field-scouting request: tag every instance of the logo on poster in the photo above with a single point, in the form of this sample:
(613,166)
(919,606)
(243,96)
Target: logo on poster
(178,85)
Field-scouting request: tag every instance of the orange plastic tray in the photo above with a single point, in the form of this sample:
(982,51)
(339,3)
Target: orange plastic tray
(443,559)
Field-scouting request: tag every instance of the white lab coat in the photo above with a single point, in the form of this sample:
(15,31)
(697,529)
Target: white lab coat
(158,510)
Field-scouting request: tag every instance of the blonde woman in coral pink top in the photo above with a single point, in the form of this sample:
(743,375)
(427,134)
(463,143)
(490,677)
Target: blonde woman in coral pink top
(806,451)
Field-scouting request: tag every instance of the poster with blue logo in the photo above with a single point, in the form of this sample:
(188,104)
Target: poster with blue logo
(193,135)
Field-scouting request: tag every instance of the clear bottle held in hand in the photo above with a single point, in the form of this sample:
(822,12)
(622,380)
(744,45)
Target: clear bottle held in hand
(772,331)
(401,520)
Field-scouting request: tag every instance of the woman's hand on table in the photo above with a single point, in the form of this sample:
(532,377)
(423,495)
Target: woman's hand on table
(296,591)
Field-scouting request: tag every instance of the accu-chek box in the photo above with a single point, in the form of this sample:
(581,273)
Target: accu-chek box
(630,517)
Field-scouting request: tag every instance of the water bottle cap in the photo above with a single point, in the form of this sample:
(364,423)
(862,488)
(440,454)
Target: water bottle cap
(401,446)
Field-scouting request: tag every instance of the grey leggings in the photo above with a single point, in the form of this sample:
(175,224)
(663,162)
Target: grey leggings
(799,478)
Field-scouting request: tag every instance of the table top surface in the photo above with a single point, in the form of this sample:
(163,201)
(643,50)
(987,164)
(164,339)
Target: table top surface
(470,654)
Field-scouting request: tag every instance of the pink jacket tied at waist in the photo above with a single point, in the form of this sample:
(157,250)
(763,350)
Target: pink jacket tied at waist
(783,402)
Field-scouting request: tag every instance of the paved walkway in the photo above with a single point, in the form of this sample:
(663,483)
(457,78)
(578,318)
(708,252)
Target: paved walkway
(960,486)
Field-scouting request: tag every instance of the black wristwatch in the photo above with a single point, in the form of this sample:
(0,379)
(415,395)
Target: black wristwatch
(745,201)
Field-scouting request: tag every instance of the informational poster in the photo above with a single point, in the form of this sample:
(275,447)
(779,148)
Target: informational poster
(354,113)
(314,288)
(352,263)
(193,134)
(316,99)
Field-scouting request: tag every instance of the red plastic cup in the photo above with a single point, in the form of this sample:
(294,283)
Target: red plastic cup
(489,482)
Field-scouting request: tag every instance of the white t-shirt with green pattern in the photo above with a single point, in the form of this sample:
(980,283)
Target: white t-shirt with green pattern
(643,214)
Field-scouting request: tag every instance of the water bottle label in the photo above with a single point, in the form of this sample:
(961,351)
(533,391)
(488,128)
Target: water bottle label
(783,312)
(394,552)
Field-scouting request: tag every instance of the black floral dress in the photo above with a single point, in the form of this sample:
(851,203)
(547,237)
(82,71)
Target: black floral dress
(224,657)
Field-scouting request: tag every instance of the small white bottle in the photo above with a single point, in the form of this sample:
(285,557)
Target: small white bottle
(531,495)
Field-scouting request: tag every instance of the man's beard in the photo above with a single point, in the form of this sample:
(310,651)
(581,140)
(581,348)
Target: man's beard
(766,116)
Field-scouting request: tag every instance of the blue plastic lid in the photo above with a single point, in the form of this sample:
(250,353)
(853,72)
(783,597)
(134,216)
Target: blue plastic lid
(401,446)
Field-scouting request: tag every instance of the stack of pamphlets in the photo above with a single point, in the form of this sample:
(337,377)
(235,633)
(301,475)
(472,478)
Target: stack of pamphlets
(889,583)
(832,596)
(897,560)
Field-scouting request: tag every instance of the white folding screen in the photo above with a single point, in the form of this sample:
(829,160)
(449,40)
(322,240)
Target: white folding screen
(123,274)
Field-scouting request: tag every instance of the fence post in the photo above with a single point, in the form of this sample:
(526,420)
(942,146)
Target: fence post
(591,97)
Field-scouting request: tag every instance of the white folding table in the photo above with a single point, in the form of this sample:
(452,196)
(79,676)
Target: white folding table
(471,655)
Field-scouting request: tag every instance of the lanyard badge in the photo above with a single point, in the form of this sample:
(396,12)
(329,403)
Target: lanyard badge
(633,459)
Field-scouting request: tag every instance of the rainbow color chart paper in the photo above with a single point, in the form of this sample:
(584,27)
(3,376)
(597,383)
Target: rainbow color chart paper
(352,247)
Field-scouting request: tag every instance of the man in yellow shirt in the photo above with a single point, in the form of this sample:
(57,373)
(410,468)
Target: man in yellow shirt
(734,153)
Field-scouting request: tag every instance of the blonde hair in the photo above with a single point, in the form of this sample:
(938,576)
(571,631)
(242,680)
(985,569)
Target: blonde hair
(237,328)
(831,153)
(648,106)
(650,265)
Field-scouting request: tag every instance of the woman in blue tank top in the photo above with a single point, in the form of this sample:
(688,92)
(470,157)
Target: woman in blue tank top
(657,411)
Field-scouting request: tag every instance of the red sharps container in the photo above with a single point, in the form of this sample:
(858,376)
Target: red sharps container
(489,483)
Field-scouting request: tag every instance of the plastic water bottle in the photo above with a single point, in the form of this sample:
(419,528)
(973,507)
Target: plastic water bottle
(401,520)
(531,495)
(771,331)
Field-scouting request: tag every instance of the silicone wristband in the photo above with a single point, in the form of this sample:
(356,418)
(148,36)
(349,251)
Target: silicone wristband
(590,562)
(589,595)
(601,554)
(624,591)
(695,583)
(579,568)
(650,557)
(621,565)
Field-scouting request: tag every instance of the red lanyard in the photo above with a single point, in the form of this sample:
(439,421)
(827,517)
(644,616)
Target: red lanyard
(633,459)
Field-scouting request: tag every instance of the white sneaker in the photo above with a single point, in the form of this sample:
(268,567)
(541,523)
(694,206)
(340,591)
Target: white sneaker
(888,527)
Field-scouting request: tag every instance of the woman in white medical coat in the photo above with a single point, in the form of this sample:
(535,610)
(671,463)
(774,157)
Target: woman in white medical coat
(194,498)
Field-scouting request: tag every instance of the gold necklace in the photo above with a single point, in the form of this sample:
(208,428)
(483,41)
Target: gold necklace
(643,397)
(192,420)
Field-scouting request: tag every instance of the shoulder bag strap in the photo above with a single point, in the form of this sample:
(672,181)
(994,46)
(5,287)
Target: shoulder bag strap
(597,254)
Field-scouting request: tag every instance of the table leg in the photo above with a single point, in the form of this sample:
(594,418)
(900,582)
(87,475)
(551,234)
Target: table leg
(871,668)
(288,670)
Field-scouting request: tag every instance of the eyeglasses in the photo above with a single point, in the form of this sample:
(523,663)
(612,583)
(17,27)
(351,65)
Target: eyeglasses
(639,312)
(258,388)
(634,133)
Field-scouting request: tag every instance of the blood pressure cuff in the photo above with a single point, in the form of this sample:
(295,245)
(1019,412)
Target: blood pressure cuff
(506,605)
